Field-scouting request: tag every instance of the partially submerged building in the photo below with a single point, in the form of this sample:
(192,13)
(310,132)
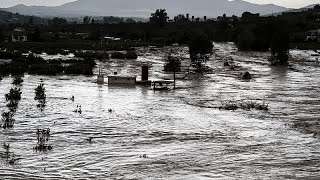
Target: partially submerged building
(19,38)
(121,80)
(313,35)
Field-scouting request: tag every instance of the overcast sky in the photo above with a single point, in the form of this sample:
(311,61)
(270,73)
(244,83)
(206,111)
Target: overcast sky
(286,3)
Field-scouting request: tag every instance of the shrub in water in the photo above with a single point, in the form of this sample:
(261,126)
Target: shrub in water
(79,68)
(13,105)
(17,80)
(40,96)
(131,55)
(40,93)
(172,64)
(14,94)
(118,55)
(7,120)
(92,55)
(33,59)
(45,69)
(43,138)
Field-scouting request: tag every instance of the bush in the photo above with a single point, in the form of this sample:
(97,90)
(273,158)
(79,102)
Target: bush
(172,64)
(7,120)
(131,55)
(5,70)
(40,93)
(280,49)
(14,94)
(46,69)
(13,105)
(84,67)
(55,51)
(118,55)
(17,80)
(36,50)
(33,59)
(10,55)
(79,68)
(92,55)
(18,68)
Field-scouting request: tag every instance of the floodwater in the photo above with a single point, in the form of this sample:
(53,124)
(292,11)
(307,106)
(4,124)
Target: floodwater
(180,134)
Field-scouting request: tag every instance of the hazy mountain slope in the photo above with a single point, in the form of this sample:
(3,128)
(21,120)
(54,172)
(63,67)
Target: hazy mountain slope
(8,17)
(296,10)
(144,8)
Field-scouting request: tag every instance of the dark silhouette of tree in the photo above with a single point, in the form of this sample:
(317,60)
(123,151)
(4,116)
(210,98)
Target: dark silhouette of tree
(57,21)
(86,20)
(245,40)
(130,20)
(35,35)
(317,7)
(159,17)
(199,48)
(249,15)
(173,64)
(112,20)
(180,18)
(280,49)
(92,21)
(2,37)
(31,20)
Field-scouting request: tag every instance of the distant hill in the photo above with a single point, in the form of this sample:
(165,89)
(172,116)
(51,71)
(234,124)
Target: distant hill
(143,8)
(296,10)
(15,18)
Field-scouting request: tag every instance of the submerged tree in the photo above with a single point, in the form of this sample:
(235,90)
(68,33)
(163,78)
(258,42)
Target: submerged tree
(245,40)
(173,64)
(17,80)
(199,49)
(7,120)
(43,136)
(40,96)
(14,94)
(280,49)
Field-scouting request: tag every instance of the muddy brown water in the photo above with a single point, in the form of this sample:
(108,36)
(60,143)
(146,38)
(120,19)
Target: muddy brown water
(182,133)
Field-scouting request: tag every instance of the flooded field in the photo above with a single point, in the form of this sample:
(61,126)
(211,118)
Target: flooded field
(180,134)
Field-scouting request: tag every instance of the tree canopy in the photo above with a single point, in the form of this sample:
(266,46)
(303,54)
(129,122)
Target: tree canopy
(199,47)
(159,17)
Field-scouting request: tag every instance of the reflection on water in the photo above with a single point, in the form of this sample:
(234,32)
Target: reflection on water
(182,133)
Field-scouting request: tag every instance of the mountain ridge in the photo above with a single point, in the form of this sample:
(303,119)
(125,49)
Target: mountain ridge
(143,8)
